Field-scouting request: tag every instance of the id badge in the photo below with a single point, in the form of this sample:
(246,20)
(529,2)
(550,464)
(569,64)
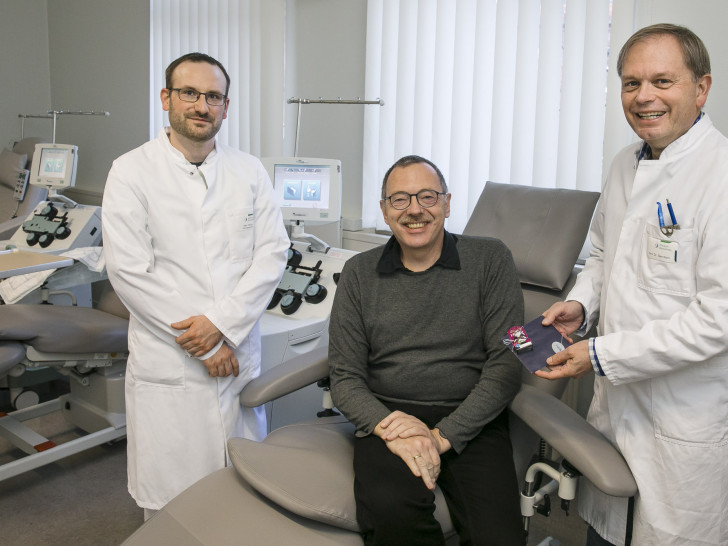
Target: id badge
(661,250)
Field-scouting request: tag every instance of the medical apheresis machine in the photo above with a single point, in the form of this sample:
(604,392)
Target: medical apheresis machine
(297,320)
(57,224)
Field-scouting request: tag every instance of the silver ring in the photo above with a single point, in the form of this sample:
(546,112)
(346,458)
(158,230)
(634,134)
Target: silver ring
(417,456)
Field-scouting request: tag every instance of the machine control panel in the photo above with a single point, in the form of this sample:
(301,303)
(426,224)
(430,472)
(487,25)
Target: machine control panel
(300,283)
(297,323)
(55,227)
(21,184)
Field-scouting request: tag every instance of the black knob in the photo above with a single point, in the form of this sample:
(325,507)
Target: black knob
(62,232)
(275,299)
(31,238)
(315,293)
(336,278)
(290,302)
(293,257)
(49,211)
(45,240)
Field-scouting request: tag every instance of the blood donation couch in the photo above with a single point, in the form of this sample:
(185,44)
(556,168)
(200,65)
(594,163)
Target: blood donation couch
(296,487)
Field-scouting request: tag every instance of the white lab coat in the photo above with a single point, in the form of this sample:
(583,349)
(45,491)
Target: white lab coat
(181,241)
(663,338)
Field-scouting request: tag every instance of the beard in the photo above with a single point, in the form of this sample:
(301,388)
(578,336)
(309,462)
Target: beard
(188,129)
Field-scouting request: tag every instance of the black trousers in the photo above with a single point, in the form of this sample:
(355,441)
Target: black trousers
(394,507)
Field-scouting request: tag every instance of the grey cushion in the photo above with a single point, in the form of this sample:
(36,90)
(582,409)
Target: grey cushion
(10,164)
(545,228)
(63,329)
(307,468)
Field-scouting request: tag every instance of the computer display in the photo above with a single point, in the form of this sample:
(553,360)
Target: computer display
(54,166)
(309,189)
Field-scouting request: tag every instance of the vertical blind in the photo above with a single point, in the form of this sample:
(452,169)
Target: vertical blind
(231,31)
(512,91)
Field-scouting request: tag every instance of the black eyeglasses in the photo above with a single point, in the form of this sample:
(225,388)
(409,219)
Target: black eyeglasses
(426,198)
(191,95)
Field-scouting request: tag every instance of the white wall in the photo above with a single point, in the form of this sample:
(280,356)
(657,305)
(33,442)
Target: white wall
(99,60)
(325,59)
(24,71)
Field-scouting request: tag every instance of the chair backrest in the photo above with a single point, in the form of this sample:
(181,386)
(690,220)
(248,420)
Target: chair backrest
(545,229)
(20,157)
(105,299)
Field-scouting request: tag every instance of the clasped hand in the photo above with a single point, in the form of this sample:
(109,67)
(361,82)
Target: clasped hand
(200,337)
(417,445)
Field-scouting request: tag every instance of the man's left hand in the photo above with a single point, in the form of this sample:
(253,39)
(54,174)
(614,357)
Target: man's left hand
(571,362)
(200,336)
(401,425)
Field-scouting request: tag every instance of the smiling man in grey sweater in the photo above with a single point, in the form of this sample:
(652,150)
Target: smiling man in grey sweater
(418,366)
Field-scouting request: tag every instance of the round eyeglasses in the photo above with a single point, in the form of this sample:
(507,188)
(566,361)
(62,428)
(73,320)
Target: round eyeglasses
(191,95)
(426,198)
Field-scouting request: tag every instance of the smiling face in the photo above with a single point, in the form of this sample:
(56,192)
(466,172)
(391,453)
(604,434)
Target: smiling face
(660,96)
(418,230)
(197,122)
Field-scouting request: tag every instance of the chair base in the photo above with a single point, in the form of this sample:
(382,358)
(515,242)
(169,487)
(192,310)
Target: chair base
(96,407)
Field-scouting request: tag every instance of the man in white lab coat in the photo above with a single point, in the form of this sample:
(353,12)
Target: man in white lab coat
(657,281)
(195,246)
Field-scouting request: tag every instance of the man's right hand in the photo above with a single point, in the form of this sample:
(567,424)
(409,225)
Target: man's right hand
(420,455)
(412,441)
(566,316)
(222,363)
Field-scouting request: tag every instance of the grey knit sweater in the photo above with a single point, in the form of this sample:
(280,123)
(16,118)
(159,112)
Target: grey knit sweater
(431,338)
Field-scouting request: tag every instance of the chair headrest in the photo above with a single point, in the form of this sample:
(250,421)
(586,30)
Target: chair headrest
(27,146)
(544,228)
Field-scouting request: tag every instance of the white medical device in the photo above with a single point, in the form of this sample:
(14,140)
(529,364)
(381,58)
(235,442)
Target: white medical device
(296,324)
(309,190)
(54,166)
(58,224)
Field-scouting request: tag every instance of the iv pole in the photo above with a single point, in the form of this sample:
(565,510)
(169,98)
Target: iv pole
(53,114)
(339,100)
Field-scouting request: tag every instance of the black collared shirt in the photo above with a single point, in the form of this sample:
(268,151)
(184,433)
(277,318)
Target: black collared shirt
(391,259)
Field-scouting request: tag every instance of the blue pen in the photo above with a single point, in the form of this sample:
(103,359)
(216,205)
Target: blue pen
(659,214)
(672,213)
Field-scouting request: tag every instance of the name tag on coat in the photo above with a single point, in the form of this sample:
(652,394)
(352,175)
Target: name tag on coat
(661,250)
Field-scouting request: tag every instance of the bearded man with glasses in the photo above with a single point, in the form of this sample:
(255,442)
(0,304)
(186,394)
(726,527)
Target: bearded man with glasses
(195,246)
(417,364)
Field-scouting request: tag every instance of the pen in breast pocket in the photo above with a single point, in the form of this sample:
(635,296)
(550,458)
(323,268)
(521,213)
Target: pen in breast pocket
(660,218)
(672,213)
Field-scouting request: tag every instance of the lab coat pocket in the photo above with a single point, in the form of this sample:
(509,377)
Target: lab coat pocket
(241,235)
(690,407)
(666,265)
(154,362)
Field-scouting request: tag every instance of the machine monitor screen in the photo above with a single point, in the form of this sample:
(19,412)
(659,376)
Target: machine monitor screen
(308,189)
(54,165)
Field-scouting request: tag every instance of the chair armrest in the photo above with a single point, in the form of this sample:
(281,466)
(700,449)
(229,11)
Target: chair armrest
(580,443)
(286,378)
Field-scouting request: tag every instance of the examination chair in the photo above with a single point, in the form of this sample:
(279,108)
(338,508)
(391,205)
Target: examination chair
(89,346)
(296,487)
(12,212)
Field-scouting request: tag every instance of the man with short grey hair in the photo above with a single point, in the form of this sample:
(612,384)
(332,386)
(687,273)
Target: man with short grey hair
(657,282)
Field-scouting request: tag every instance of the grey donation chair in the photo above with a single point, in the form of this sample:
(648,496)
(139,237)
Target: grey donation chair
(296,487)
(88,345)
